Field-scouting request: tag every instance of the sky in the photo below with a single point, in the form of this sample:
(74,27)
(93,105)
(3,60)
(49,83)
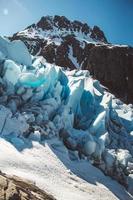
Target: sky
(114,17)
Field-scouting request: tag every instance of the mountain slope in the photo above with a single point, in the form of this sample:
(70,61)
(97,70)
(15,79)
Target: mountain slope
(76,45)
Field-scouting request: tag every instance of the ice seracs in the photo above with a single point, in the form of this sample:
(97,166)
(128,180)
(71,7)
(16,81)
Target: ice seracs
(11,125)
(40,101)
(12,71)
(31,79)
(15,50)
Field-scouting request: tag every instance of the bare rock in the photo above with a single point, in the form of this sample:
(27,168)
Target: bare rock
(15,188)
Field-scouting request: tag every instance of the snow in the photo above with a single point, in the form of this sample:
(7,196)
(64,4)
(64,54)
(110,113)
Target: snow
(56,35)
(51,169)
(72,58)
(48,35)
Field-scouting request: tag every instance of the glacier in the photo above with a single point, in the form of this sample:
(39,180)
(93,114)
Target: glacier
(41,102)
(15,50)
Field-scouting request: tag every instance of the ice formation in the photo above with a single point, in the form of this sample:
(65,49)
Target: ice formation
(39,101)
(12,71)
(15,50)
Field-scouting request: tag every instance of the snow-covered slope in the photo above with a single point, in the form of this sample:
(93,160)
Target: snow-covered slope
(51,169)
(54,29)
(55,122)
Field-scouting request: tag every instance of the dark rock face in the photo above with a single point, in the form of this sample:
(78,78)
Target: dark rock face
(98,34)
(111,65)
(44,24)
(62,22)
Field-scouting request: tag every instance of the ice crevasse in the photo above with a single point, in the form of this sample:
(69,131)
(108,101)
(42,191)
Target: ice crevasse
(47,101)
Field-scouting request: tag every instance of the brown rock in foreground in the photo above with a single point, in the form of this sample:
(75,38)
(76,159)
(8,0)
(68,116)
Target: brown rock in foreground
(15,188)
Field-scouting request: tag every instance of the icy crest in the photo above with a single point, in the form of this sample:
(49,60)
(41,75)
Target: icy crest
(15,50)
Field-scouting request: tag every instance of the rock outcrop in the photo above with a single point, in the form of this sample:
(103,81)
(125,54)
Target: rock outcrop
(15,188)
(113,67)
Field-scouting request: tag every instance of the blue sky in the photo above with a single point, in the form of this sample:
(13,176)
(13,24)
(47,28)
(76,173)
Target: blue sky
(115,17)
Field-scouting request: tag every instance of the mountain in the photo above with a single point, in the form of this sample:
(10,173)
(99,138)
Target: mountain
(76,45)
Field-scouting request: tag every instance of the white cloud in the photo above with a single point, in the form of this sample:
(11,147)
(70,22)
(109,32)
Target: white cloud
(5,11)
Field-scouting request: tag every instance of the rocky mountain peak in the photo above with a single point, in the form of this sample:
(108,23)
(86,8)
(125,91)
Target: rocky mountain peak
(58,26)
(98,34)
(74,44)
